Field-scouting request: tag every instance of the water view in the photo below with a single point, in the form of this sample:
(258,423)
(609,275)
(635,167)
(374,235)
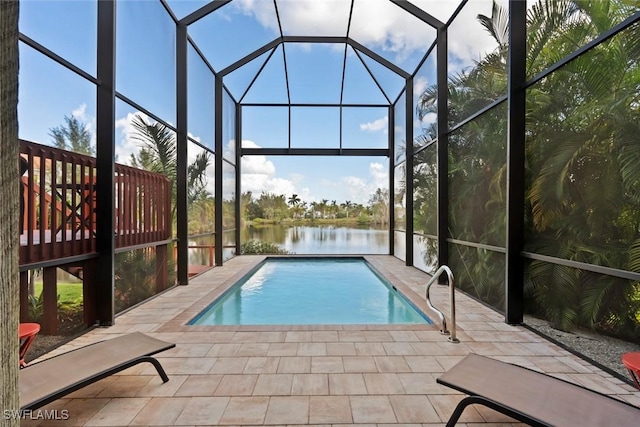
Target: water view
(322,239)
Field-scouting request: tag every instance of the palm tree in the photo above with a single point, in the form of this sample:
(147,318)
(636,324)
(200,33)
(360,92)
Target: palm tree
(9,208)
(294,200)
(379,203)
(583,163)
(585,170)
(333,209)
(158,154)
(347,205)
(315,207)
(323,207)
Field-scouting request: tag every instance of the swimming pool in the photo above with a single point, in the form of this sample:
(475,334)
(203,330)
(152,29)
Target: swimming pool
(308,291)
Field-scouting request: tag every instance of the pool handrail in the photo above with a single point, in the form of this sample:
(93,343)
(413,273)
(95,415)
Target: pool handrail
(444,331)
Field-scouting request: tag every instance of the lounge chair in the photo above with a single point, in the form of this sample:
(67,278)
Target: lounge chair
(533,397)
(51,379)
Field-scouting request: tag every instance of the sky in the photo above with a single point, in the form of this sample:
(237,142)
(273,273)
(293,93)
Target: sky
(145,73)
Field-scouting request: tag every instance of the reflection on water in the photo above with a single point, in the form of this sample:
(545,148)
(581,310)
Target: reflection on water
(303,240)
(325,239)
(204,254)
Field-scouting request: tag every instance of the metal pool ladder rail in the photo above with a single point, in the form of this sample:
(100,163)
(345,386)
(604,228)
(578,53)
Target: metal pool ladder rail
(452,334)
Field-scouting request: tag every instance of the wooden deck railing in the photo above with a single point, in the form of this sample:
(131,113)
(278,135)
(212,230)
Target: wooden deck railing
(143,207)
(58,205)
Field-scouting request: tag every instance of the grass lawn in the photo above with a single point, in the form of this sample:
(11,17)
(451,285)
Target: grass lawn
(70,293)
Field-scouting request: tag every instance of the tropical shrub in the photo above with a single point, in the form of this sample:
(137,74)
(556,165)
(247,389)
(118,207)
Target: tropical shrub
(582,165)
(257,247)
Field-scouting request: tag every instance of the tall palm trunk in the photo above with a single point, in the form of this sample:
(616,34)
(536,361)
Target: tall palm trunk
(9,204)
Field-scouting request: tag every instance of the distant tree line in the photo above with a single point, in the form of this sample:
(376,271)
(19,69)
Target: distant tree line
(277,207)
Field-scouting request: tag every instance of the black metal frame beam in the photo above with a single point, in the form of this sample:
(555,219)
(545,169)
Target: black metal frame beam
(218,171)
(418,13)
(264,64)
(238,187)
(468,244)
(167,9)
(586,48)
(250,57)
(424,58)
(516,127)
(315,39)
(366,67)
(390,152)
(382,61)
(199,144)
(408,172)
(294,104)
(203,11)
(443,148)
(200,54)
(57,58)
(608,271)
(382,152)
(103,282)
(182,217)
(141,109)
(478,113)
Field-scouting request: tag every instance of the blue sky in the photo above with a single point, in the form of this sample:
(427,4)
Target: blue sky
(145,73)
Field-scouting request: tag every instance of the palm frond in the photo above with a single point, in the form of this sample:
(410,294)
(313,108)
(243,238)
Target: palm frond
(498,24)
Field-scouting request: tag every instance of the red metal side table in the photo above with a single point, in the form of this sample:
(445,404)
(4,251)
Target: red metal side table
(27,333)
(632,362)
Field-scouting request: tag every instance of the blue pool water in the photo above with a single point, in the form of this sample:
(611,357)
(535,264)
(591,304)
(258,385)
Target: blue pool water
(310,291)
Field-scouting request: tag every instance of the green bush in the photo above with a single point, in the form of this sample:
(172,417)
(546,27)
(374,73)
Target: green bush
(257,247)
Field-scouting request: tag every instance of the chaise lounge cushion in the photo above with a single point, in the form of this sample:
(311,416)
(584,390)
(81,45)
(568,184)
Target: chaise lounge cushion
(534,397)
(50,379)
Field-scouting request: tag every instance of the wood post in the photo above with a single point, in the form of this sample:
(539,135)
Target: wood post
(50,301)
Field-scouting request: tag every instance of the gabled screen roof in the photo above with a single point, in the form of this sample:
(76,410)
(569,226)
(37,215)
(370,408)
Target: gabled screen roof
(326,51)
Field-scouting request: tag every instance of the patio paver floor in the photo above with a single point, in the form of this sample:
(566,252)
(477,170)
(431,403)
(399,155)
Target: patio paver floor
(308,374)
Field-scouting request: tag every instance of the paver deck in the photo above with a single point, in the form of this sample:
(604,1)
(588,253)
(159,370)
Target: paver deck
(308,374)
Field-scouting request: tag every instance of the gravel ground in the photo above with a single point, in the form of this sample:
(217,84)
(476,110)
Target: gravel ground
(44,344)
(604,350)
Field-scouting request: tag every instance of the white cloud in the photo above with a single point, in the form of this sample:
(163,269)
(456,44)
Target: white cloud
(426,120)
(256,165)
(263,11)
(419,85)
(376,125)
(258,175)
(358,190)
(376,23)
(257,183)
(125,141)
(469,41)
(379,174)
(89,122)
(381,24)
(80,112)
